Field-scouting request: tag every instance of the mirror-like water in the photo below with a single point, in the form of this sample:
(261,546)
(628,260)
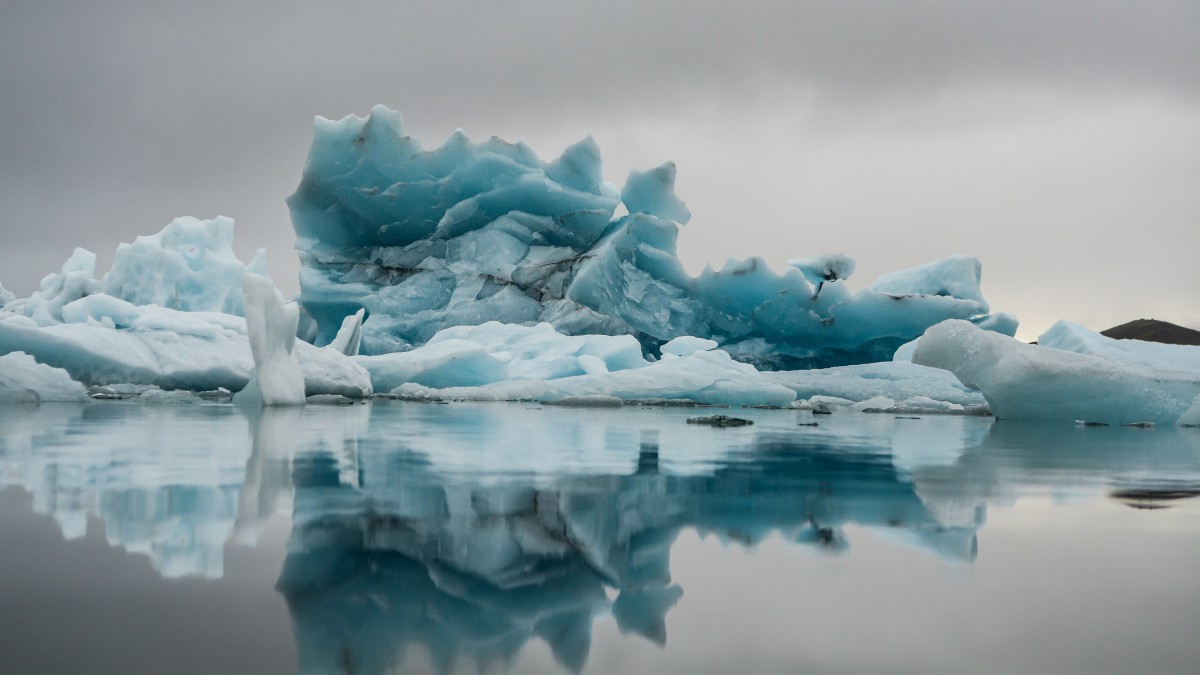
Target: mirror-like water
(409,537)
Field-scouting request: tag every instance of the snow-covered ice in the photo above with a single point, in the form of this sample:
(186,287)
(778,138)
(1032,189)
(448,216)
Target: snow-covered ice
(1036,382)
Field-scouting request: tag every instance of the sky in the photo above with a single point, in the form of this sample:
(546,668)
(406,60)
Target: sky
(1057,142)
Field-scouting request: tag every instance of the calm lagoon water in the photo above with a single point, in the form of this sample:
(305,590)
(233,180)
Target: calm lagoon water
(411,537)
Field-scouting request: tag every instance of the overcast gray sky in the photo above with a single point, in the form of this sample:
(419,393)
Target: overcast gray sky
(1059,142)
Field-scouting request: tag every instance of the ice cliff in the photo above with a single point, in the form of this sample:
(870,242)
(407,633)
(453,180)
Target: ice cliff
(473,232)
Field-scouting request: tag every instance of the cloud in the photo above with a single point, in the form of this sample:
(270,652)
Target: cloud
(893,131)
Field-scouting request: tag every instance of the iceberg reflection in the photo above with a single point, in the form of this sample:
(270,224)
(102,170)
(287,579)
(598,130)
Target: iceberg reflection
(464,531)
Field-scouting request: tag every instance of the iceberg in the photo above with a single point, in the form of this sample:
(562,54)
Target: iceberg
(467,233)
(1036,382)
(479,271)
(188,266)
(196,340)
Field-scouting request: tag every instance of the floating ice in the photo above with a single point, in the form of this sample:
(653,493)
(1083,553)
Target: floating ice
(902,382)
(1023,381)
(494,352)
(101,339)
(1072,337)
(497,361)
(1191,416)
(475,232)
(685,345)
(24,379)
(189,266)
(271,327)
(709,377)
(349,336)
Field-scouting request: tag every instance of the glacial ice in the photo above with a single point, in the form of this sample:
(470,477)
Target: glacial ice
(474,232)
(100,339)
(478,271)
(189,266)
(103,340)
(1036,382)
(1072,337)
(271,329)
(508,362)
(24,379)
(494,352)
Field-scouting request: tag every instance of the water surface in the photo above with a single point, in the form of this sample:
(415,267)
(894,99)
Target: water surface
(419,537)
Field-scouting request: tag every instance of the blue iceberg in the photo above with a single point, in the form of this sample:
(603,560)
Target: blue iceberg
(474,232)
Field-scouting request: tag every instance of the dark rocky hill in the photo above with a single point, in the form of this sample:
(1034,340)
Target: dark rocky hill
(1151,330)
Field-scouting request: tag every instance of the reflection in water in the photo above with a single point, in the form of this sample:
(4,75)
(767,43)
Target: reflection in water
(467,530)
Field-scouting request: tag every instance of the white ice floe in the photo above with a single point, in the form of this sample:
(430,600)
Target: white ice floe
(1023,381)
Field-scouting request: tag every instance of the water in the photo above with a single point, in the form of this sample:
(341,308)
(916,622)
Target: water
(421,537)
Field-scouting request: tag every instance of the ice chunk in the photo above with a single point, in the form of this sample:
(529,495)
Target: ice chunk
(1023,381)
(508,362)
(474,232)
(956,276)
(102,309)
(24,379)
(198,351)
(899,381)
(101,339)
(271,327)
(653,192)
(189,266)
(1191,416)
(74,281)
(819,269)
(1072,337)
(494,352)
(349,336)
(686,344)
(709,377)
(905,352)
(874,404)
(5,296)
